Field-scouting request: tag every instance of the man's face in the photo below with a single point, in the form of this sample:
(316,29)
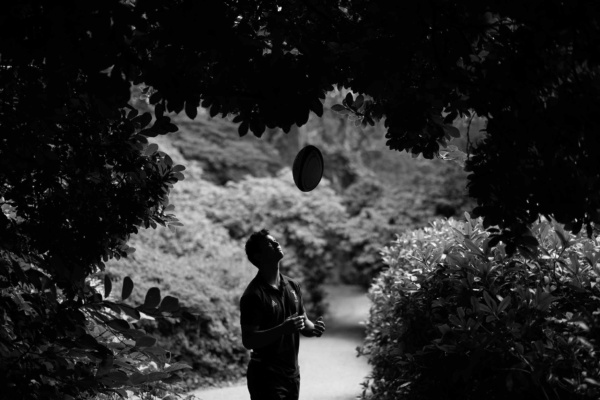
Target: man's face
(271,249)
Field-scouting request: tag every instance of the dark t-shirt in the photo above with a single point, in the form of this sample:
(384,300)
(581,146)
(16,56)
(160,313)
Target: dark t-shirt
(266,307)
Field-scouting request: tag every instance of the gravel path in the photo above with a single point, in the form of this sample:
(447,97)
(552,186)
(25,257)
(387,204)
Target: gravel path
(329,367)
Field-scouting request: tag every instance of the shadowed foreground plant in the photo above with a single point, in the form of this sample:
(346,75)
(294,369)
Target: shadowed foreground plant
(55,347)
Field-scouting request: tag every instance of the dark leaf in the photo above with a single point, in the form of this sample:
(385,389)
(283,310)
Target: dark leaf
(452,131)
(107,286)
(257,127)
(87,341)
(132,114)
(528,241)
(121,392)
(127,288)
(143,120)
(340,109)
(115,378)
(151,149)
(151,132)
(494,240)
(152,298)
(145,341)
(155,98)
(349,100)
(130,311)
(134,333)
(169,304)
(159,110)
(191,110)
(302,115)
(156,376)
(448,119)
(317,107)
(243,128)
(155,352)
(214,109)
(359,101)
(119,324)
(106,365)
(170,127)
(137,379)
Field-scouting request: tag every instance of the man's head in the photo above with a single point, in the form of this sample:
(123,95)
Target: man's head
(262,248)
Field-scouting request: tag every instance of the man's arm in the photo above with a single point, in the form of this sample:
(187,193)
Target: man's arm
(252,338)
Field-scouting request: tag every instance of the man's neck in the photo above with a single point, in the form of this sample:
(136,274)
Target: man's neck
(270,275)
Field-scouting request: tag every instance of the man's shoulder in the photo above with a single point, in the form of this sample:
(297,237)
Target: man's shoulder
(253,289)
(291,281)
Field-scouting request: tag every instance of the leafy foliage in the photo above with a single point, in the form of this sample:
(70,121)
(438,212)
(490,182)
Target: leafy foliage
(454,318)
(530,70)
(78,178)
(70,202)
(56,347)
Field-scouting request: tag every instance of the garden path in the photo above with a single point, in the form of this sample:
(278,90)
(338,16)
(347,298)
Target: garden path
(329,366)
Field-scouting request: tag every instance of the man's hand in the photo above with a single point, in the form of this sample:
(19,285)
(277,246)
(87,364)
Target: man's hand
(293,324)
(314,329)
(319,327)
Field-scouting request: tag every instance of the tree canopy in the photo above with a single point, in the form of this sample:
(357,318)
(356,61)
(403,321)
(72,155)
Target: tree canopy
(530,68)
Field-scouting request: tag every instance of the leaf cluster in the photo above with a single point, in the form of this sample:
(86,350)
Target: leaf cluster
(53,346)
(455,318)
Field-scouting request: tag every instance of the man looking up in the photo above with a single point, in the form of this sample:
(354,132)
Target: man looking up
(272,316)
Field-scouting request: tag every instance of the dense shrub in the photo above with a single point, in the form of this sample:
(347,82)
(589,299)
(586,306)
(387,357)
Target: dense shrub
(453,318)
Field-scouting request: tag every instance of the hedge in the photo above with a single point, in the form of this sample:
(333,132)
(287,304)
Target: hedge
(454,318)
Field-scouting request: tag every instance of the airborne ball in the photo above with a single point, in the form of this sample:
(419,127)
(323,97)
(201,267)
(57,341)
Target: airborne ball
(308,168)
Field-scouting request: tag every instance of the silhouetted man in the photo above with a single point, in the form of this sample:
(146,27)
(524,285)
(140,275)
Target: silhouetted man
(272,316)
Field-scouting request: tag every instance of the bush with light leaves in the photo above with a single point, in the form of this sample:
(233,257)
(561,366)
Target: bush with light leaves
(454,317)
